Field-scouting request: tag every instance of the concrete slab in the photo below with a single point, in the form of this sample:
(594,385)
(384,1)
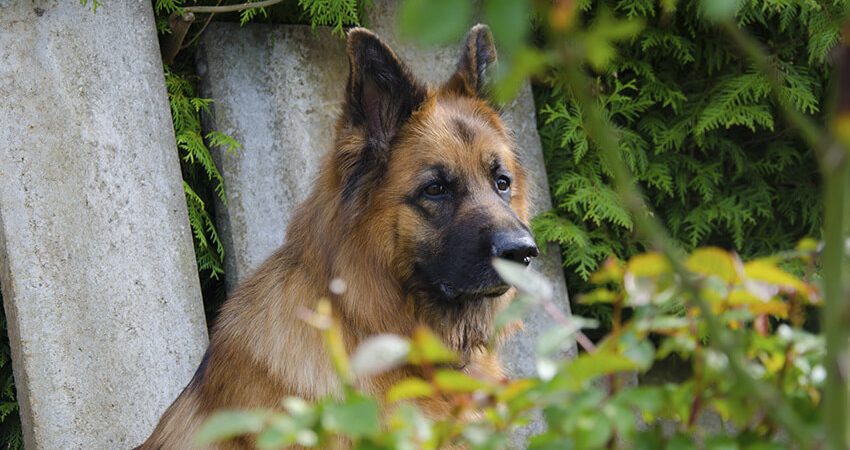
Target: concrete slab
(101,291)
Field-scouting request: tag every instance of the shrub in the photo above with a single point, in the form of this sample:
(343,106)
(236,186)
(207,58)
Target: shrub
(699,129)
(763,381)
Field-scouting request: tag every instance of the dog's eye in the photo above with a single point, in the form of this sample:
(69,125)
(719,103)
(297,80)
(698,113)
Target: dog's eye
(503,183)
(435,189)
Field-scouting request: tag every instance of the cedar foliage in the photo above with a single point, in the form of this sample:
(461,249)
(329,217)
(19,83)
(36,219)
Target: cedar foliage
(699,129)
(199,169)
(10,422)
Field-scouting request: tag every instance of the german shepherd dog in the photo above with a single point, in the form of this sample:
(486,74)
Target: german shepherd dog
(422,189)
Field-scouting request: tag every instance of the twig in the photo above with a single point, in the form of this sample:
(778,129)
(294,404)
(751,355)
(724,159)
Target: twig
(229,8)
(172,43)
(565,321)
(201,31)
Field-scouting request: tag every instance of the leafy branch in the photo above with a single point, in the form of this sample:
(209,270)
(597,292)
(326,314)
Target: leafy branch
(605,137)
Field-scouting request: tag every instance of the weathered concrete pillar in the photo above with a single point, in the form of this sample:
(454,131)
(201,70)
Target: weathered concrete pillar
(99,282)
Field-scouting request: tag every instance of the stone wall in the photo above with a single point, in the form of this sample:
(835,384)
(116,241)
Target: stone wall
(96,262)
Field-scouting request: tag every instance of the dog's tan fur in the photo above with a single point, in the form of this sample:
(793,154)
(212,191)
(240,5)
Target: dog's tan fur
(260,351)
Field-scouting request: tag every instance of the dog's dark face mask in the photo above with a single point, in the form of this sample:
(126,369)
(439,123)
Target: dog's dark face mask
(440,165)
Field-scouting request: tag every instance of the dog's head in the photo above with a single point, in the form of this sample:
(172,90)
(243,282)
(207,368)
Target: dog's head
(435,171)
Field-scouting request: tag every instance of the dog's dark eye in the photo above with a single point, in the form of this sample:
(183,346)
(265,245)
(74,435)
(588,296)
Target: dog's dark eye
(435,189)
(503,183)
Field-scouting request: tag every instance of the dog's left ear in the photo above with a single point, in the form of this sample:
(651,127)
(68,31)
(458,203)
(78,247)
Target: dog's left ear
(381,93)
(476,60)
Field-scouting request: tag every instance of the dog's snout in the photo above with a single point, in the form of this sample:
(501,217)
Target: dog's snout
(517,246)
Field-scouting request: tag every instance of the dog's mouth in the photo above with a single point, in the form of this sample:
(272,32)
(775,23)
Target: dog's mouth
(450,292)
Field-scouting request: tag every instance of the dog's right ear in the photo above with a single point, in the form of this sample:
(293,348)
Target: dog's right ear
(380,97)
(476,61)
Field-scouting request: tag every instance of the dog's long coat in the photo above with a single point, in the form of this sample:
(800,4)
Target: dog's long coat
(422,189)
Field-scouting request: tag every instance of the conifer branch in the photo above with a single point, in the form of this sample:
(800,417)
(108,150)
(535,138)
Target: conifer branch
(814,135)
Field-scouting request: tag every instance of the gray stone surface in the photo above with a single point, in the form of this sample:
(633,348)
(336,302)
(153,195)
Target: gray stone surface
(278,90)
(96,262)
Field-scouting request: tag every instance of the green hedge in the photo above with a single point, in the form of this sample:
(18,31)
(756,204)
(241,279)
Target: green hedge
(10,420)
(699,129)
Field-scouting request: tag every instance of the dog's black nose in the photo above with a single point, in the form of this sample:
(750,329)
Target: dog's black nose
(517,246)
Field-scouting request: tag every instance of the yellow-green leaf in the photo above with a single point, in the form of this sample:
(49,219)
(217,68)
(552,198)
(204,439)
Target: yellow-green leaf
(515,388)
(766,271)
(589,366)
(600,295)
(224,425)
(409,388)
(743,297)
(524,279)
(359,416)
(713,261)
(807,244)
(610,272)
(427,348)
(454,381)
(651,264)
(776,308)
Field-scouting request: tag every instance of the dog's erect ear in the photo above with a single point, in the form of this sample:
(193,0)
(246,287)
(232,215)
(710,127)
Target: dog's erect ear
(380,97)
(477,58)
(381,94)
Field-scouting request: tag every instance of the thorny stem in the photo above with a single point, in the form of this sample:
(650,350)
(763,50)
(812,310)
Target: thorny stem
(606,140)
(565,321)
(698,376)
(616,327)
